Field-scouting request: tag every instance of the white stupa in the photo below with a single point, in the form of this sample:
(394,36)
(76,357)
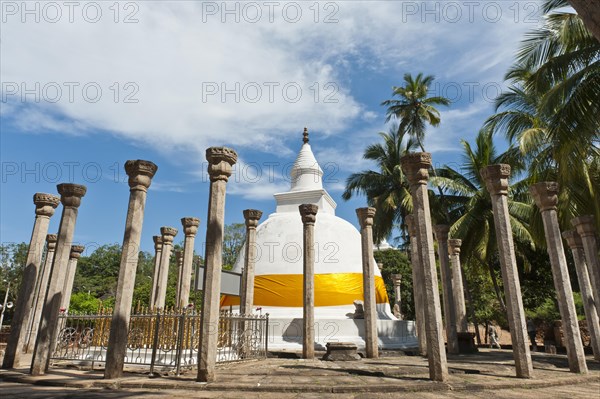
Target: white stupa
(338,268)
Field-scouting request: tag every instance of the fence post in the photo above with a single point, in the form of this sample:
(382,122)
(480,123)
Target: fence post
(155,344)
(266,335)
(180,332)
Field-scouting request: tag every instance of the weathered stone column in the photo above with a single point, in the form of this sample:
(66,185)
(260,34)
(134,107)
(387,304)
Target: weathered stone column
(157,254)
(251,216)
(416,167)
(397,281)
(45,204)
(168,234)
(220,160)
(140,174)
(589,301)
(496,180)
(179,261)
(460,310)
(441,235)
(545,195)
(586,229)
(418,282)
(308,212)
(76,251)
(190,228)
(70,197)
(40,294)
(365,218)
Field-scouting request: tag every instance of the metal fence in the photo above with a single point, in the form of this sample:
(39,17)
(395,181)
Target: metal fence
(165,340)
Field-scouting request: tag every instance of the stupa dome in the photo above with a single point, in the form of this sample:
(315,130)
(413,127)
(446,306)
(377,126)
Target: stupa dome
(279,260)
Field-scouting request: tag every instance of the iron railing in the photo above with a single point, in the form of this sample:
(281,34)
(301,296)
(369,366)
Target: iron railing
(166,339)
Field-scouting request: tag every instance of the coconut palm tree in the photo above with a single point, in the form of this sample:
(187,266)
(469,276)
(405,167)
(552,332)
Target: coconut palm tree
(414,110)
(550,110)
(471,212)
(386,188)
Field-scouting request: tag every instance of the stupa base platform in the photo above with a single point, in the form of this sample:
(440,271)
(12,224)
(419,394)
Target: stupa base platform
(286,333)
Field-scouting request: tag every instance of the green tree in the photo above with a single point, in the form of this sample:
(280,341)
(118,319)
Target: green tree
(233,240)
(550,111)
(386,189)
(414,110)
(13,257)
(397,262)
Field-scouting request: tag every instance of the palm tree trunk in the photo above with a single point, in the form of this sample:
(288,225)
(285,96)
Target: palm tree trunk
(496,287)
(471,308)
(589,13)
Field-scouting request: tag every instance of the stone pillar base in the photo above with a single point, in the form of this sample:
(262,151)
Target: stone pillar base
(341,351)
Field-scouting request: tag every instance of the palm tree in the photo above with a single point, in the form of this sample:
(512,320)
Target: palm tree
(550,110)
(387,188)
(414,110)
(471,212)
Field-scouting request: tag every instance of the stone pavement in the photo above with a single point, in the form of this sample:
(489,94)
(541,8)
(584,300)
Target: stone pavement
(489,374)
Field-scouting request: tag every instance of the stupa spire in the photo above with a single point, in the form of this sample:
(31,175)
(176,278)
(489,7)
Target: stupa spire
(306,173)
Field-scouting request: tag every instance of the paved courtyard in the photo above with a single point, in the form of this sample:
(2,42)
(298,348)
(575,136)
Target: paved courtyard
(489,374)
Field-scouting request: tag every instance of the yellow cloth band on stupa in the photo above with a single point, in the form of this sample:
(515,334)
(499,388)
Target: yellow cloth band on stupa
(333,289)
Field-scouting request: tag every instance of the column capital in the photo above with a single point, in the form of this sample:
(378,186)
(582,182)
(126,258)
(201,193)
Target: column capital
(71,194)
(220,160)
(168,234)
(415,166)
(454,246)
(410,222)
(157,243)
(140,174)
(308,213)
(573,239)
(179,256)
(496,178)
(365,216)
(545,195)
(585,225)
(441,232)
(190,226)
(45,204)
(396,279)
(51,240)
(76,251)
(252,216)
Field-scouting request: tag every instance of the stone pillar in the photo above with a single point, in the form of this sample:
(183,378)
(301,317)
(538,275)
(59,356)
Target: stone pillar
(220,160)
(168,234)
(586,229)
(545,195)
(157,254)
(496,180)
(40,294)
(308,212)
(70,197)
(590,306)
(417,275)
(460,310)
(45,204)
(76,251)
(365,218)
(441,235)
(190,228)
(251,216)
(416,167)
(140,176)
(179,261)
(397,280)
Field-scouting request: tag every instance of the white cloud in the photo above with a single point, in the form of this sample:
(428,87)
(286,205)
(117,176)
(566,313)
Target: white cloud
(178,58)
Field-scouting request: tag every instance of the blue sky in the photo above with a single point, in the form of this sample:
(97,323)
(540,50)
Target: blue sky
(88,86)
